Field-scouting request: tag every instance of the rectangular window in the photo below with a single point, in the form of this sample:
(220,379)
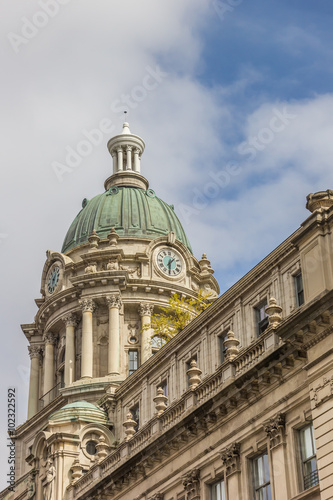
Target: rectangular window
(262,487)
(132,361)
(135,410)
(308,455)
(218,491)
(299,289)
(261,317)
(222,347)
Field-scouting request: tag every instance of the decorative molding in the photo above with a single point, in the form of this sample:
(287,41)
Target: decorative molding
(230,457)
(322,392)
(87,305)
(146,309)
(114,301)
(70,320)
(275,429)
(191,483)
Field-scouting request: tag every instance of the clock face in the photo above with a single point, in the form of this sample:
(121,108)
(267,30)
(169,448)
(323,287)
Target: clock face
(169,262)
(53,279)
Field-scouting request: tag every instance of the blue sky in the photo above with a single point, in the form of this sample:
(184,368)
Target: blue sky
(238,129)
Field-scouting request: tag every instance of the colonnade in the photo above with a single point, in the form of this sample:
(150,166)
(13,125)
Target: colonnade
(130,154)
(88,307)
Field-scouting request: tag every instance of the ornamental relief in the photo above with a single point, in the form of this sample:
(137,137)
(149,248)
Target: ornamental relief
(322,392)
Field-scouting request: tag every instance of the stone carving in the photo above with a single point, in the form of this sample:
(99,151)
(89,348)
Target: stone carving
(132,271)
(146,309)
(230,457)
(191,483)
(103,449)
(160,401)
(31,489)
(322,392)
(112,265)
(231,344)
(275,429)
(50,338)
(87,305)
(129,425)
(76,470)
(70,319)
(114,301)
(274,313)
(91,268)
(34,351)
(113,237)
(194,375)
(49,481)
(94,239)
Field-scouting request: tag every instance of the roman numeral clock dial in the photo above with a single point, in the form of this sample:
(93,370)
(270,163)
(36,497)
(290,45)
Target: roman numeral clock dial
(169,262)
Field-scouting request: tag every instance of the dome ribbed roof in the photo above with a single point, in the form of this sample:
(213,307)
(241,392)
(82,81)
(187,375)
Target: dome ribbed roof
(133,212)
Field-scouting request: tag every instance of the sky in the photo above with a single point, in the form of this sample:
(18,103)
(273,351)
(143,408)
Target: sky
(233,99)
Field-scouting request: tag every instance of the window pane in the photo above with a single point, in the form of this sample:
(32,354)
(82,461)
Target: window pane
(307,443)
(218,492)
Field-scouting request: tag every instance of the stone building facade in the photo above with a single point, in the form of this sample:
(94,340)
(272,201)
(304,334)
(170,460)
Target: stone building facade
(238,405)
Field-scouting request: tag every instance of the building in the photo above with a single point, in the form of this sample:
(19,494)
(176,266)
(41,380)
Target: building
(239,405)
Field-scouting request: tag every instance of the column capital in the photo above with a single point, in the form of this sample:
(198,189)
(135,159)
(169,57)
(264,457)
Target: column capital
(146,309)
(114,301)
(70,319)
(191,483)
(87,305)
(275,429)
(230,457)
(50,338)
(34,351)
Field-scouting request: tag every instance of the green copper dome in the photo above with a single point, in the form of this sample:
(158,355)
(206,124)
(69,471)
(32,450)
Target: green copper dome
(132,211)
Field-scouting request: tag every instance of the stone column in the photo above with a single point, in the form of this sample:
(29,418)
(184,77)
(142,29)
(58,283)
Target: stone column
(88,307)
(145,311)
(136,160)
(230,457)
(70,322)
(50,340)
(114,161)
(129,157)
(114,303)
(277,449)
(34,353)
(120,159)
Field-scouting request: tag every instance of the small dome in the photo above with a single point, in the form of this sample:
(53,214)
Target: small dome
(80,410)
(132,211)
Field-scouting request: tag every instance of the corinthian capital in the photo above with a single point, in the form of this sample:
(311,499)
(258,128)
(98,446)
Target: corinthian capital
(146,309)
(70,319)
(114,301)
(50,338)
(34,351)
(87,305)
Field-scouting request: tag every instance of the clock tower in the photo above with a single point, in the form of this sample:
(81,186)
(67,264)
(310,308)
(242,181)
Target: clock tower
(123,256)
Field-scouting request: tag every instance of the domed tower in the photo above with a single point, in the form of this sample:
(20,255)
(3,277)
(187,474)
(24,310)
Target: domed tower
(123,256)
